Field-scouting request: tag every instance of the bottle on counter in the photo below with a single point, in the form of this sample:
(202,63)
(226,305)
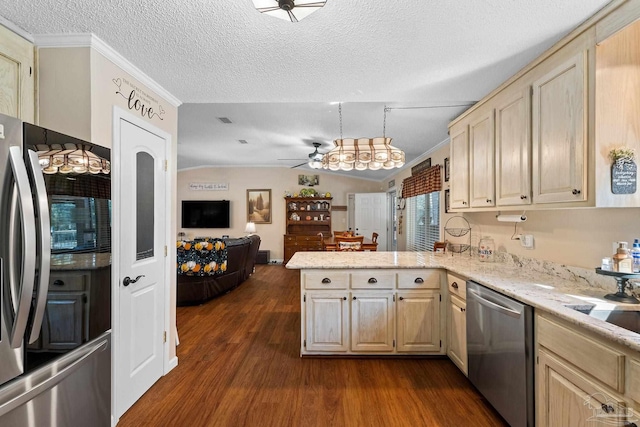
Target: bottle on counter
(635,256)
(486,248)
(622,261)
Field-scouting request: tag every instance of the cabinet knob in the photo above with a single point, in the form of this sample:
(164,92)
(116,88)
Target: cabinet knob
(464,203)
(344,298)
(523,197)
(463,309)
(608,409)
(488,200)
(58,282)
(373,280)
(400,298)
(575,192)
(354,298)
(454,285)
(326,280)
(418,280)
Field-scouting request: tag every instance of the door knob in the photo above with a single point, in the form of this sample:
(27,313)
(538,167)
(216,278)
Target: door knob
(128,280)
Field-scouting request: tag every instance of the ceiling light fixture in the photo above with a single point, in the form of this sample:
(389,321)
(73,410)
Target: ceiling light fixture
(72,158)
(363,153)
(284,9)
(315,158)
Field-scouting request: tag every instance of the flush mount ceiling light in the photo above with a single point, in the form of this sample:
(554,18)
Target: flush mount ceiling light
(363,153)
(289,10)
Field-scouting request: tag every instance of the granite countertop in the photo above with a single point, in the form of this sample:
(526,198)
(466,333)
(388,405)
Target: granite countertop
(550,291)
(83,261)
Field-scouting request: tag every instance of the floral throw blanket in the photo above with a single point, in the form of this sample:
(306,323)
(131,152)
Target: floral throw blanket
(202,257)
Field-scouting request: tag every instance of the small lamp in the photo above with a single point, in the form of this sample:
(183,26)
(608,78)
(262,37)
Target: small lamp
(250,228)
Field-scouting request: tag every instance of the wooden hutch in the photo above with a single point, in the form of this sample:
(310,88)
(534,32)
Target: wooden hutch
(306,217)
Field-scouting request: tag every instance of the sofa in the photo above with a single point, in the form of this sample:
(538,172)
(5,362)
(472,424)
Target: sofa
(210,267)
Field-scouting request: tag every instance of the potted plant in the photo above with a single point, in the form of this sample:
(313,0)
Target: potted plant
(623,170)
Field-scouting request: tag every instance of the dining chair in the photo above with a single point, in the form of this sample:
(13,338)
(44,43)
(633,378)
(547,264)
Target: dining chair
(349,243)
(374,237)
(343,233)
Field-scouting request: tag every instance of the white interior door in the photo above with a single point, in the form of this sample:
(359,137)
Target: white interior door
(141,313)
(371,216)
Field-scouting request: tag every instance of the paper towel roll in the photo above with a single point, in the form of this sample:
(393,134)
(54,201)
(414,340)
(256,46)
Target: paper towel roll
(512,218)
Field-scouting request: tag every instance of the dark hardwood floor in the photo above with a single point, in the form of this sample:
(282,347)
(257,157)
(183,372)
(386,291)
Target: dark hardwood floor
(239,365)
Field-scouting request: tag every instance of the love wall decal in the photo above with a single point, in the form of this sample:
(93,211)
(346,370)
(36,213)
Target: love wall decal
(137,99)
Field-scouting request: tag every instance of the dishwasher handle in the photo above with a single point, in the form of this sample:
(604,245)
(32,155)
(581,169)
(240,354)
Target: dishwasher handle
(493,305)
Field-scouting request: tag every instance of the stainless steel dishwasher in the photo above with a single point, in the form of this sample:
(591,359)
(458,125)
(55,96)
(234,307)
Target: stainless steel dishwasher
(500,349)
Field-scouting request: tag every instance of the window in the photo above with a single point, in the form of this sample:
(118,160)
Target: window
(423,221)
(80,224)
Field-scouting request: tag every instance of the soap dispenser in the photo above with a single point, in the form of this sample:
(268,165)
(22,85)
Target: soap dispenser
(622,261)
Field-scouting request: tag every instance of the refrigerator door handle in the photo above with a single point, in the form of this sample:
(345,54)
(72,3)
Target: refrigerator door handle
(25,290)
(44,244)
(80,357)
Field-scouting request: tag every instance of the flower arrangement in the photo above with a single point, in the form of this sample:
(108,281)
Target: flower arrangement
(622,155)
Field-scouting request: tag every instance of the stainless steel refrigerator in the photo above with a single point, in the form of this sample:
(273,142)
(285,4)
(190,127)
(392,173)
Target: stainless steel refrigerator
(55,279)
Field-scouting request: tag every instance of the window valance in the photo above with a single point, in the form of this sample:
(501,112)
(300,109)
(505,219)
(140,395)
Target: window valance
(427,181)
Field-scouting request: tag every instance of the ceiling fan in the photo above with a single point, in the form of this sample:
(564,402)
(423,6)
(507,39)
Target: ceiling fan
(313,157)
(284,9)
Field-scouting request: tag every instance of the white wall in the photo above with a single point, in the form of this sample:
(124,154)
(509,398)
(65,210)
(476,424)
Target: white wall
(278,180)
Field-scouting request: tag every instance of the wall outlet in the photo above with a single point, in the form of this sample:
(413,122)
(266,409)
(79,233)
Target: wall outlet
(526,240)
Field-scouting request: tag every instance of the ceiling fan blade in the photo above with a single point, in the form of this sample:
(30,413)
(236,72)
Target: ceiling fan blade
(293,159)
(267,9)
(297,166)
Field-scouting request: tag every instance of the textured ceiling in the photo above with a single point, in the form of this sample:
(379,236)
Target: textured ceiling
(277,81)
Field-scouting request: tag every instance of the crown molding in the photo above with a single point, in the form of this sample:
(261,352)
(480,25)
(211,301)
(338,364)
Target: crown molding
(92,41)
(13,27)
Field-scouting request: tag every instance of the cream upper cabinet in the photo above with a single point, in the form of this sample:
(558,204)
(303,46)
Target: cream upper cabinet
(419,321)
(459,196)
(513,147)
(559,134)
(17,89)
(481,160)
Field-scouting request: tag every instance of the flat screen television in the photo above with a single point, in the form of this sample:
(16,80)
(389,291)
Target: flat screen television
(205,214)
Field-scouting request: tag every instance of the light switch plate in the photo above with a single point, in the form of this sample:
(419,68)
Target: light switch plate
(526,240)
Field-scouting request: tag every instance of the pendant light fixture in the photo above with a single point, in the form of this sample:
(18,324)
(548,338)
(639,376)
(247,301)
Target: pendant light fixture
(72,158)
(289,10)
(363,153)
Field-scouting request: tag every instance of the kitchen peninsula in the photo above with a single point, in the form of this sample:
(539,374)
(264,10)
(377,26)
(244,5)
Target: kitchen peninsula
(361,303)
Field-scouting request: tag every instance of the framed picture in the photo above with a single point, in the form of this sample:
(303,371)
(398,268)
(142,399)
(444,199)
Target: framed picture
(309,180)
(446,201)
(259,206)
(446,169)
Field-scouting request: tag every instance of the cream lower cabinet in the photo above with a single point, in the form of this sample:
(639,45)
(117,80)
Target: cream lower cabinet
(378,311)
(418,321)
(457,332)
(326,321)
(582,379)
(372,321)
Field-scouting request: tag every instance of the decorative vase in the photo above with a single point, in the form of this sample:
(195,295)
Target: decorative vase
(624,176)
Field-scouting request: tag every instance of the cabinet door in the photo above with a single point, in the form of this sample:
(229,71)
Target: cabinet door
(513,148)
(63,322)
(457,333)
(567,398)
(481,148)
(326,321)
(17,95)
(372,322)
(459,167)
(559,136)
(419,322)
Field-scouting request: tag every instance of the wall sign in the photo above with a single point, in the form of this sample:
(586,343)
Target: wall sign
(624,177)
(138,99)
(208,186)
(426,164)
